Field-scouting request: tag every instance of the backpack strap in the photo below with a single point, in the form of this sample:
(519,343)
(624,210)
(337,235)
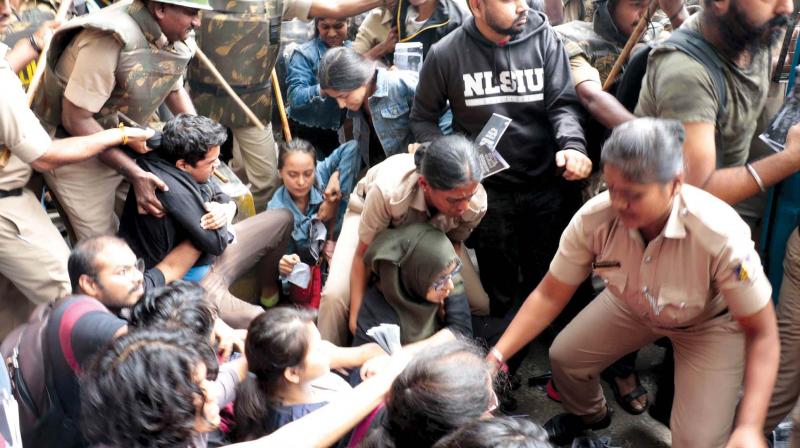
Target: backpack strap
(693,44)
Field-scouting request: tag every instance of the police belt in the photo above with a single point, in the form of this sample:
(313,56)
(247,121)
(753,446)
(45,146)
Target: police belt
(10,193)
(216,90)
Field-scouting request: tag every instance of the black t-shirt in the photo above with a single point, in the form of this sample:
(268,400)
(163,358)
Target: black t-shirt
(78,328)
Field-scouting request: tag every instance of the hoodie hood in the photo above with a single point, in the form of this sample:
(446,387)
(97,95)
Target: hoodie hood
(537,23)
(603,24)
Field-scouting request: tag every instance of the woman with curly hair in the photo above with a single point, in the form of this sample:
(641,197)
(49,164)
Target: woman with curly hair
(156,388)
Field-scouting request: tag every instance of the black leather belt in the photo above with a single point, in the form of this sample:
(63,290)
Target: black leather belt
(10,193)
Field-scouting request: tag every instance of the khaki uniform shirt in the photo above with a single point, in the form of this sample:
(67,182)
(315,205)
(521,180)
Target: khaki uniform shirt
(87,67)
(389,196)
(20,130)
(296,9)
(676,86)
(373,30)
(702,262)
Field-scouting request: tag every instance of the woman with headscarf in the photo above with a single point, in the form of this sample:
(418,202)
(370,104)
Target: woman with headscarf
(413,269)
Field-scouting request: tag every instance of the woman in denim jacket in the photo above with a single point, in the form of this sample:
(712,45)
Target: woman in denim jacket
(313,191)
(378,100)
(312,116)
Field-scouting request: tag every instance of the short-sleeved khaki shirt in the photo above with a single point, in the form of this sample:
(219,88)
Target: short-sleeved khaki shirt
(296,9)
(677,86)
(389,196)
(373,30)
(88,67)
(20,131)
(703,261)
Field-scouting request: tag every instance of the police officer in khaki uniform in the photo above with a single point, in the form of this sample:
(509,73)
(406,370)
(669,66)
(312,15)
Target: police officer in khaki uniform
(33,255)
(678,263)
(394,193)
(243,45)
(129,57)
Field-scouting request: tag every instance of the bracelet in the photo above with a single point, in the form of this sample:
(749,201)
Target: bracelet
(756,177)
(124,135)
(32,40)
(672,17)
(497,355)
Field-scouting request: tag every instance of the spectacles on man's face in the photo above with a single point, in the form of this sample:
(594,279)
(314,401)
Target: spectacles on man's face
(442,281)
(127,271)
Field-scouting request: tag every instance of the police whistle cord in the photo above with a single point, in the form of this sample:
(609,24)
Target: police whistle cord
(626,51)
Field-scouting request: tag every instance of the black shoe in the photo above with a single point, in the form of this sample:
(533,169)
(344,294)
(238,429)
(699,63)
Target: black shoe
(562,428)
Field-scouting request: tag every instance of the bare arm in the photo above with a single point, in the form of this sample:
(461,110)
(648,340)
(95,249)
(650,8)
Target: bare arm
(540,308)
(347,357)
(341,9)
(76,149)
(358,284)
(602,105)
(762,351)
(178,261)
(178,101)
(734,184)
(330,423)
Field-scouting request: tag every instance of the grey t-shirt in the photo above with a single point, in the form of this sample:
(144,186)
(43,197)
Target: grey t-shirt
(676,86)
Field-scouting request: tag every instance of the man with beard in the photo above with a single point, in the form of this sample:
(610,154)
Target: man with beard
(507,60)
(106,279)
(677,86)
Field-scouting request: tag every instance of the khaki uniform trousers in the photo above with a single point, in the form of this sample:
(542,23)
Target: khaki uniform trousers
(256,151)
(88,192)
(33,255)
(787,387)
(334,307)
(709,367)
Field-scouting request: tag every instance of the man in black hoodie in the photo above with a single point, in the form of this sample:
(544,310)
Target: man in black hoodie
(507,60)
(196,210)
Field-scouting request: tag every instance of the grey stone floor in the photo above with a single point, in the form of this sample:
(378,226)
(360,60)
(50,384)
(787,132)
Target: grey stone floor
(628,431)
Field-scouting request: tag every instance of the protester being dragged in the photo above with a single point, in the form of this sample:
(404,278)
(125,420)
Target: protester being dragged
(198,212)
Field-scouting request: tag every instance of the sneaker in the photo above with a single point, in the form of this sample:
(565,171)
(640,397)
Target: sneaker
(563,428)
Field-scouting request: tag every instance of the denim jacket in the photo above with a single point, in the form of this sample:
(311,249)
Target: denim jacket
(345,160)
(306,105)
(390,107)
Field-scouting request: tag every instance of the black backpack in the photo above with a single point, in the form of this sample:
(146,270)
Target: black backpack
(628,85)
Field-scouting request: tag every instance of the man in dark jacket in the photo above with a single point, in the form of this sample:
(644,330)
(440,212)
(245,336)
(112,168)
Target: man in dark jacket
(197,211)
(507,60)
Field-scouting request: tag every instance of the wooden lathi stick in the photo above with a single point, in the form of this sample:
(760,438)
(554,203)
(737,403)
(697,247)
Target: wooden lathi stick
(632,41)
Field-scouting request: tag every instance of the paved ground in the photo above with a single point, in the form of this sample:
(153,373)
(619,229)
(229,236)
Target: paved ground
(626,430)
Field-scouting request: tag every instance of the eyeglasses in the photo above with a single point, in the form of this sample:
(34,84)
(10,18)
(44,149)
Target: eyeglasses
(126,271)
(441,281)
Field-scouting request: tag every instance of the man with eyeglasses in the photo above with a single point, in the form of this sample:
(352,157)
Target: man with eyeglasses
(107,278)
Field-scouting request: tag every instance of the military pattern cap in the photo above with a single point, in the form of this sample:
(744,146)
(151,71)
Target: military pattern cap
(194,4)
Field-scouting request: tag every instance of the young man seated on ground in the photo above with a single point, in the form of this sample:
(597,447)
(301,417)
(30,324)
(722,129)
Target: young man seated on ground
(197,211)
